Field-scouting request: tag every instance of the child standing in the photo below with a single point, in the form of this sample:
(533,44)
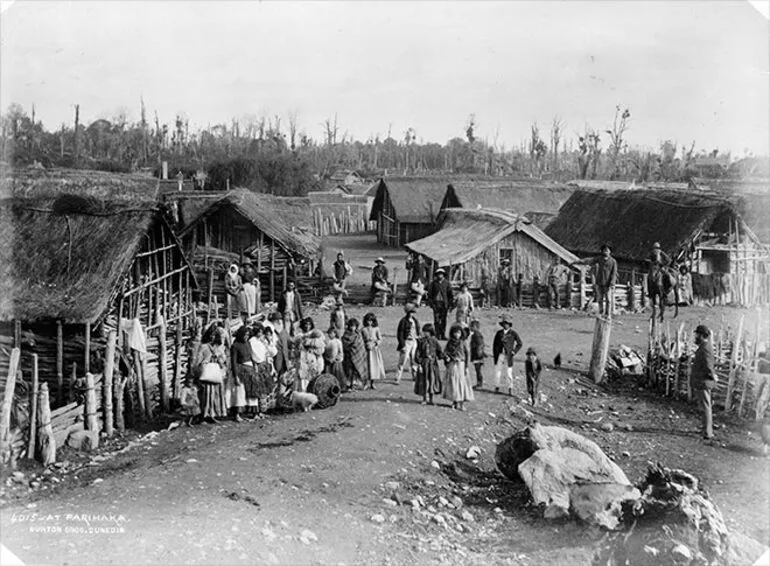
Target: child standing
(337,318)
(477,351)
(427,382)
(372,340)
(532,367)
(457,387)
(188,398)
(464,304)
(354,360)
(333,356)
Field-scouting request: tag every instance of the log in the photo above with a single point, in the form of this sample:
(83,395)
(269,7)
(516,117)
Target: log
(46,441)
(733,365)
(162,370)
(109,369)
(118,392)
(90,403)
(750,363)
(600,348)
(5,410)
(139,382)
(33,409)
(87,357)
(60,361)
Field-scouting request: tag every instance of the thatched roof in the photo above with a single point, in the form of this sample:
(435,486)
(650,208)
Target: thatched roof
(42,183)
(465,233)
(287,220)
(754,208)
(415,200)
(631,221)
(599,185)
(520,197)
(62,258)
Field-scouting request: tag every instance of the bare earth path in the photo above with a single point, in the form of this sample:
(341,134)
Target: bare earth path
(303,488)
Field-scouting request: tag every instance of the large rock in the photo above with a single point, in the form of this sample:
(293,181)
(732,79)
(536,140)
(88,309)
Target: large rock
(566,473)
(673,522)
(85,440)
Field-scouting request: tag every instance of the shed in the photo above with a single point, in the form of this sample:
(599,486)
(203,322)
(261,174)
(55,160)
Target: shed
(406,209)
(472,242)
(73,266)
(538,201)
(276,233)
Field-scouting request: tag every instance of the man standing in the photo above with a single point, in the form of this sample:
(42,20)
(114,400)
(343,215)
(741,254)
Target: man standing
(290,307)
(379,279)
(557,275)
(342,270)
(605,278)
(504,282)
(703,377)
(408,330)
(505,346)
(441,301)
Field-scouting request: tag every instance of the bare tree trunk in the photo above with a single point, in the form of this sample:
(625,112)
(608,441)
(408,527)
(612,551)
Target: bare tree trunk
(77,135)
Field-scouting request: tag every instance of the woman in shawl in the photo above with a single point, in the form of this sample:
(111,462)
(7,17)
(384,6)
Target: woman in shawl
(212,350)
(372,340)
(234,288)
(242,372)
(428,379)
(457,355)
(259,388)
(354,360)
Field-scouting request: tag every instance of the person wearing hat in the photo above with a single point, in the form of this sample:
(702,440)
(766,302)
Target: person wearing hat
(379,278)
(234,288)
(605,278)
(703,377)
(407,333)
(504,283)
(441,300)
(505,346)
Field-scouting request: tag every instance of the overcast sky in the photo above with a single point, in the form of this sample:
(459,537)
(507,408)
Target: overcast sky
(687,70)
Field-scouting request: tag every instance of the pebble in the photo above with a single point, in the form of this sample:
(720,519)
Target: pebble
(18,477)
(682,552)
(607,427)
(392,485)
(628,427)
(308,536)
(625,454)
(439,519)
(435,465)
(377,518)
(467,516)
(389,502)
(473,453)
(457,502)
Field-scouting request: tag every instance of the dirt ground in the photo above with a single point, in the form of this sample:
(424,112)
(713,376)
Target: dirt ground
(380,479)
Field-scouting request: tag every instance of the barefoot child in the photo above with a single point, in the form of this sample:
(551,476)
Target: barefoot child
(427,382)
(188,398)
(333,356)
(533,367)
(354,359)
(372,339)
(457,354)
(477,351)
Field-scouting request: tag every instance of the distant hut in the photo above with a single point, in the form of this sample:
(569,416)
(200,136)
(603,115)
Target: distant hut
(539,202)
(74,266)
(702,230)
(275,233)
(406,209)
(472,242)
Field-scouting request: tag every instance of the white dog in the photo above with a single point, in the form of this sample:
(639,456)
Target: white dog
(305,401)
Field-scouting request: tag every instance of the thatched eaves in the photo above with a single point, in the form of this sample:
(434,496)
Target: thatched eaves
(415,200)
(521,197)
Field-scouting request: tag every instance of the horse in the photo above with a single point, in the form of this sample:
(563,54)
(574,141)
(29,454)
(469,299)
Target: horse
(660,282)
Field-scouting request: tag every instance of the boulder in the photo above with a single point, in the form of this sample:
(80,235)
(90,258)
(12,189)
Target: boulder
(86,440)
(567,474)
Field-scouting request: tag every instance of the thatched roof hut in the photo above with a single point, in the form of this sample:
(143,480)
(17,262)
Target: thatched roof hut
(473,241)
(540,200)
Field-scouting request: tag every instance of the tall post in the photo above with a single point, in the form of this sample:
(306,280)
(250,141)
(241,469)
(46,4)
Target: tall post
(162,362)
(33,409)
(139,383)
(91,423)
(210,294)
(76,158)
(60,362)
(109,370)
(600,348)
(45,429)
(272,270)
(87,356)
(5,410)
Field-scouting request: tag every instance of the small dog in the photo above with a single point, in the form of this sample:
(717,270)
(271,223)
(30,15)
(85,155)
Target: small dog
(304,401)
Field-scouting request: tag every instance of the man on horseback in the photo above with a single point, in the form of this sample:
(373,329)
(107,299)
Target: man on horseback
(661,279)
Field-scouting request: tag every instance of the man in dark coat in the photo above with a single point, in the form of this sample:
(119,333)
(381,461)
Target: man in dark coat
(605,278)
(505,346)
(504,284)
(379,277)
(441,300)
(290,307)
(703,377)
(407,333)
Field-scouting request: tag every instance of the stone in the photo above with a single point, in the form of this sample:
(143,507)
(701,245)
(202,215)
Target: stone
(85,440)
(377,518)
(438,518)
(607,427)
(473,453)
(601,503)
(389,502)
(467,516)
(309,536)
(682,552)
(19,477)
(628,427)
(457,502)
(443,501)
(392,485)
(435,465)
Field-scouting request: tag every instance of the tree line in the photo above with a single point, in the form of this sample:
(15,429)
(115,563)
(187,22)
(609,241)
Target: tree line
(274,154)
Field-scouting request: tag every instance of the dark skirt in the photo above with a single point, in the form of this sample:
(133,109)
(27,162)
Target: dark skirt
(335,368)
(428,379)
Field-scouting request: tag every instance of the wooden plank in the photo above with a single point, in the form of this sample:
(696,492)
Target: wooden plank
(5,410)
(17,334)
(734,365)
(156,251)
(33,409)
(45,431)
(60,362)
(109,369)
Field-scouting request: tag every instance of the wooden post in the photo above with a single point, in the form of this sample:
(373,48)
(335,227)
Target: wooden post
(600,348)
(162,361)
(734,365)
(87,360)
(5,410)
(177,357)
(33,409)
(205,245)
(272,270)
(91,423)
(751,365)
(259,254)
(109,370)
(117,392)
(139,383)
(210,295)
(60,362)
(17,333)
(45,430)
(284,281)
(395,284)
(631,291)
(582,289)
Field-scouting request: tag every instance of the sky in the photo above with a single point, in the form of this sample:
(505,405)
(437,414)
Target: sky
(687,70)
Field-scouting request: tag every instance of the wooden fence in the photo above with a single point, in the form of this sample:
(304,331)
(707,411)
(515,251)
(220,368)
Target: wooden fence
(743,384)
(740,289)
